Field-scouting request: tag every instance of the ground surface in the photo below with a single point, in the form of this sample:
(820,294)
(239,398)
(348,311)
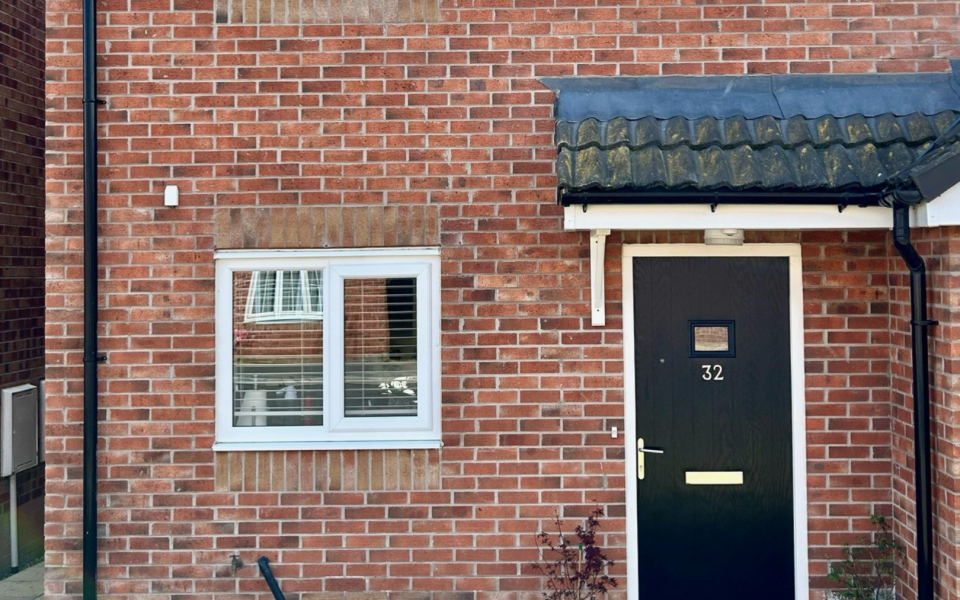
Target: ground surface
(25,585)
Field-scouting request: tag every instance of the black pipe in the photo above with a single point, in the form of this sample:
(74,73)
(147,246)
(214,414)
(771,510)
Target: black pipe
(269,578)
(90,293)
(921,398)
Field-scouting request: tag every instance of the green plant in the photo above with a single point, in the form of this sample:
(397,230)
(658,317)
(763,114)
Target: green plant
(574,569)
(869,568)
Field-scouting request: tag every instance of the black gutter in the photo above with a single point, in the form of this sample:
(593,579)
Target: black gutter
(858,197)
(90,293)
(919,328)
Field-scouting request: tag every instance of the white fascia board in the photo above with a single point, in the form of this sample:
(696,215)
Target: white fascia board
(941,211)
(660,217)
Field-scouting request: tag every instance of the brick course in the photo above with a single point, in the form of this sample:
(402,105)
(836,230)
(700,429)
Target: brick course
(444,119)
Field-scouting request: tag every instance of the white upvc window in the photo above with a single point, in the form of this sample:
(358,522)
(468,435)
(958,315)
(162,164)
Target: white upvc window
(328,349)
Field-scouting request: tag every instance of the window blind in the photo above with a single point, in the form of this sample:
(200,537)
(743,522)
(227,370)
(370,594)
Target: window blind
(380,347)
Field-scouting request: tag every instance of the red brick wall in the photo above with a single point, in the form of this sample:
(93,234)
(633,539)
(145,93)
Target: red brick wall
(21,242)
(449,114)
(940,248)
(21,192)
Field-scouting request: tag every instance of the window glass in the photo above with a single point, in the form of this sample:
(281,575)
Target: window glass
(285,295)
(315,291)
(711,339)
(292,295)
(380,347)
(277,364)
(264,292)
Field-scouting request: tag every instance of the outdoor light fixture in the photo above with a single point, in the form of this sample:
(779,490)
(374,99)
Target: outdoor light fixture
(723,237)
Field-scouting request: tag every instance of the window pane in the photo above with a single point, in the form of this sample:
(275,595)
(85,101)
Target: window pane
(315,291)
(292,300)
(710,339)
(380,347)
(264,295)
(277,364)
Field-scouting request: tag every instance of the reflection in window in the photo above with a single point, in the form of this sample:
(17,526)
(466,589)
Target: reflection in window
(277,348)
(712,338)
(285,295)
(380,347)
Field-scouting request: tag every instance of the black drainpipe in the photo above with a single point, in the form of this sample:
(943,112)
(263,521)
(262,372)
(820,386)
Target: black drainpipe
(921,396)
(270,579)
(90,292)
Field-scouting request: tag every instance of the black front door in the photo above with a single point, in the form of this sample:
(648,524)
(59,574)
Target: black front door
(715,508)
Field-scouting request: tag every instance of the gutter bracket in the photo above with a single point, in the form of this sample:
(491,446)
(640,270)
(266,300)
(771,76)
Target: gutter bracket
(598,245)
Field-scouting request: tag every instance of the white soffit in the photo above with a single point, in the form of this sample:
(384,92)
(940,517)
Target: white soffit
(661,217)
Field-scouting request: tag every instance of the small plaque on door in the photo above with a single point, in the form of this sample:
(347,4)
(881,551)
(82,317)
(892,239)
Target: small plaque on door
(712,339)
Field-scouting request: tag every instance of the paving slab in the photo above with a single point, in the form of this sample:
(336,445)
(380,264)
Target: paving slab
(25,585)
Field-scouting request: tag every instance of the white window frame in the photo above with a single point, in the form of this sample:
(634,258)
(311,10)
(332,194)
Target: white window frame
(279,314)
(338,430)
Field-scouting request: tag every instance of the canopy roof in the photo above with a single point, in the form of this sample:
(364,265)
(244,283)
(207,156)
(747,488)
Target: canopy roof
(756,138)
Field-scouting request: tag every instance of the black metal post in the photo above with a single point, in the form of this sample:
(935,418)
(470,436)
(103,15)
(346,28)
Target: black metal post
(90,293)
(921,399)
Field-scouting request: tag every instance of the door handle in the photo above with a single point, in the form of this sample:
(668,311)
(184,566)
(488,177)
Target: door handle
(642,451)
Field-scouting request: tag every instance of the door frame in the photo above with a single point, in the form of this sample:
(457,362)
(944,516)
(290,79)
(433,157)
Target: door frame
(797,393)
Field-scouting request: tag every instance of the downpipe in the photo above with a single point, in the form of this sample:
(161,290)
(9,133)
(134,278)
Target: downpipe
(90,293)
(919,328)
(264,565)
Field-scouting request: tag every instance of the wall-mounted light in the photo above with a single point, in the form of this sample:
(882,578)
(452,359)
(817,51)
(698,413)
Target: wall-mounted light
(723,237)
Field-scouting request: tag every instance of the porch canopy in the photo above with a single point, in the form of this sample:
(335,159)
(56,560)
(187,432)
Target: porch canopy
(837,140)
(754,152)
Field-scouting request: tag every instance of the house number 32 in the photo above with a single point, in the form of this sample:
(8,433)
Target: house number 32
(712,372)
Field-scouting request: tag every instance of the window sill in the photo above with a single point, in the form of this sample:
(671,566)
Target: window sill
(332,445)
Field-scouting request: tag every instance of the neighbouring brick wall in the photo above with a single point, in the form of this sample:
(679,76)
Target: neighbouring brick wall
(21,192)
(448,119)
(940,247)
(22,243)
